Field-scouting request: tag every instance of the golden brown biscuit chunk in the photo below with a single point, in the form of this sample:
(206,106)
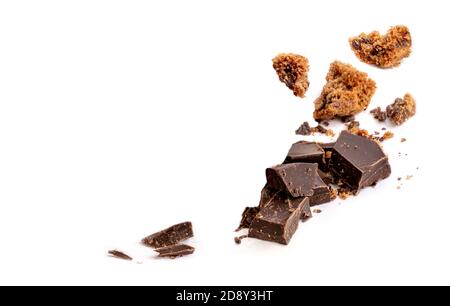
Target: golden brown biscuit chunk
(384,51)
(292,70)
(401,110)
(346,93)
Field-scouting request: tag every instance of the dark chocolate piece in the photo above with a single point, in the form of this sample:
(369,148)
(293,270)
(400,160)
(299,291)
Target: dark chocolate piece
(304,129)
(305,152)
(174,251)
(358,161)
(297,179)
(169,236)
(279,219)
(119,254)
(322,193)
(328,149)
(247,217)
(238,240)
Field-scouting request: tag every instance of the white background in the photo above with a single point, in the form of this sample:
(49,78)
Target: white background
(120,118)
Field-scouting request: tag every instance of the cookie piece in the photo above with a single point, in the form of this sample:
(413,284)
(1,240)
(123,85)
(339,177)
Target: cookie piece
(346,93)
(384,51)
(401,110)
(292,70)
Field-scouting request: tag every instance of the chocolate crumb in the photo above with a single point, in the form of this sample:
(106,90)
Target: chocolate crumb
(399,178)
(383,129)
(119,254)
(378,114)
(304,129)
(403,139)
(238,240)
(317,211)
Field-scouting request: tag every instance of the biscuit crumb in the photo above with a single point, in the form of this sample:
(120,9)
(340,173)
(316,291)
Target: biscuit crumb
(401,110)
(292,70)
(346,93)
(384,51)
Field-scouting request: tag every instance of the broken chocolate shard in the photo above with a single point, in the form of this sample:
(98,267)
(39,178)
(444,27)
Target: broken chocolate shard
(297,179)
(304,129)
(247,217)
(278,220)
(169,236)
(269,196)
(305,152)
(322,193)
(174,251)
(119,254)
(358,161)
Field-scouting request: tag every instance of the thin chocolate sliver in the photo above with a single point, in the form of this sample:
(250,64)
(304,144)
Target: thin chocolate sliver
(247,217)
(174,251)
(119,254)
(169,236)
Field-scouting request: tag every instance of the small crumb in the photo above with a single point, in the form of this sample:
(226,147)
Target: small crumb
(328,154)
(119,254)
(317,211)
(403,139)
(387,135)
(325,123)
(238,240)
(417,168)
(304,129)
(348,119)
(398,187)
(383,129)
(399,178)
(401,110)
(376,133)
(378,114)
(408,177)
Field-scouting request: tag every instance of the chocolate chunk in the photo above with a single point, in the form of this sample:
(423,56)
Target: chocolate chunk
(174,251)
(328,149)
(304,129)
(247,217)
(322,193)
(359,161)
(119,254)
(279,219)
(305,152)
(297,179)
(169,236)
(270,196)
